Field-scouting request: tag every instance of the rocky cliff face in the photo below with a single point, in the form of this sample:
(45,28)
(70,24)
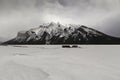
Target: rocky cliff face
(55,33)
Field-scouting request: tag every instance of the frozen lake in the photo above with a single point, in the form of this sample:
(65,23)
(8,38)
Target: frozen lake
(45,62)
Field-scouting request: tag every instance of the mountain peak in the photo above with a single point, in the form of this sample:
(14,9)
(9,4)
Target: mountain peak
(56,33)
(53,23)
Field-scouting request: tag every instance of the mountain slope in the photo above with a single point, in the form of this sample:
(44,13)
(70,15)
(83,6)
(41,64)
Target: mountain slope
(59,34)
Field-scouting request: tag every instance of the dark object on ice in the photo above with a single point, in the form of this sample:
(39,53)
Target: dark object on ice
(74,46)
(70,46)
(66,46)
(59,34)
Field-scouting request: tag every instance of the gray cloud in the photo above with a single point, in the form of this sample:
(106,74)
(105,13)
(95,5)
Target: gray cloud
(16,15)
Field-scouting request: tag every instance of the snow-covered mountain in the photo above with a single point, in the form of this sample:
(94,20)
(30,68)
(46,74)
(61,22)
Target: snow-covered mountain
(56,33)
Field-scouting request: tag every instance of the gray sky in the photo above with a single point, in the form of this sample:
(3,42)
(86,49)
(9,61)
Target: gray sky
(17,15)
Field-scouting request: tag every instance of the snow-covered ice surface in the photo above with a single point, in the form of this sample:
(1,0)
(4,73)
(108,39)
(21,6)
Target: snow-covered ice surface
(14,71)
(43,62)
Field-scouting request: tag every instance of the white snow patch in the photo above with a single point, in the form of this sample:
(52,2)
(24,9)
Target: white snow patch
(14,71)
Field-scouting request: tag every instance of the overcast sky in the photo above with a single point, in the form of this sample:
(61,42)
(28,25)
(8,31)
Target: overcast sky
(17,15)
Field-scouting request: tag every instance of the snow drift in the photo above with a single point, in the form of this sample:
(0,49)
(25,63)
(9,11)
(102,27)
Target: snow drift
(14,71)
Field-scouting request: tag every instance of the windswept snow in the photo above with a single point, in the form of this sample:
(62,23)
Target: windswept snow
(14,71)
(56,63)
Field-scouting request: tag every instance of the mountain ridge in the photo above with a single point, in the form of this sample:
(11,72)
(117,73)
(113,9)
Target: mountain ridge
(56,33)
